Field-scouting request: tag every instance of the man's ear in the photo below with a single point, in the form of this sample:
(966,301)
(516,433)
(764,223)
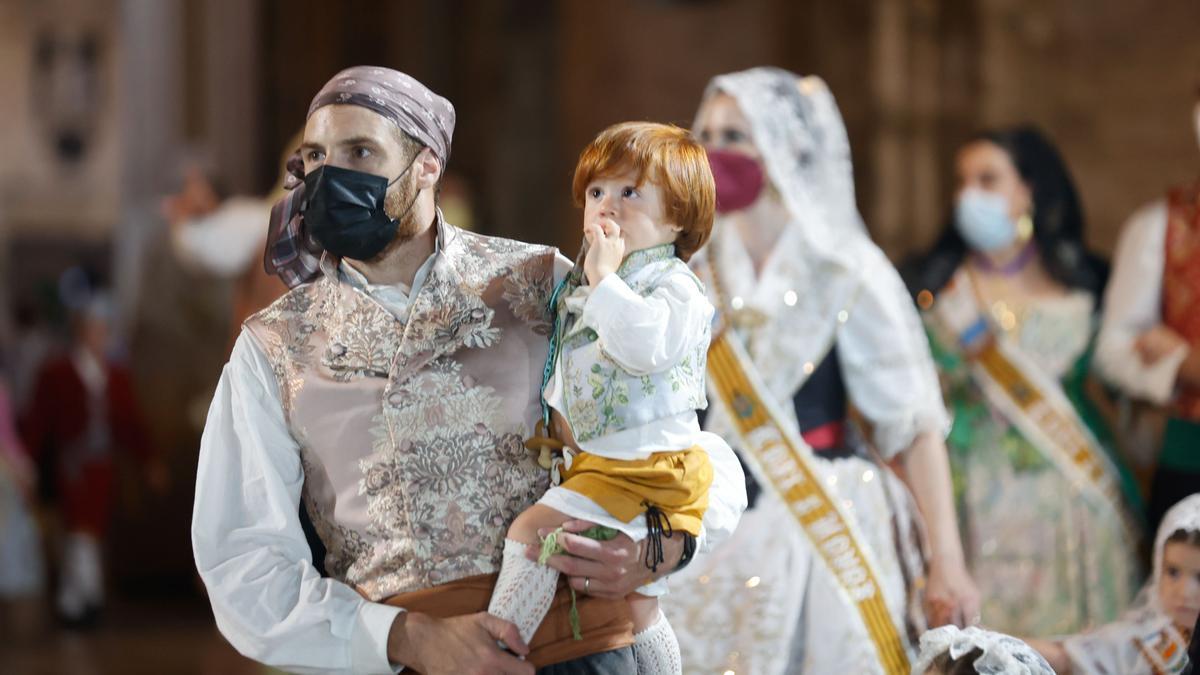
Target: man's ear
(428,169)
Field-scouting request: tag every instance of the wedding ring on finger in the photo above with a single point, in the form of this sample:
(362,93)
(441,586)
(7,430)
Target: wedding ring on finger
(587,583)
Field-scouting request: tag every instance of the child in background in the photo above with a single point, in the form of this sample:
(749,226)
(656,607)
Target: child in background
(1152,638)
(83,413)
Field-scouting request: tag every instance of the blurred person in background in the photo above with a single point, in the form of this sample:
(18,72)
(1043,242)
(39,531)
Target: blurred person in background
(225,237)
(1149,344)
(82,413)
(1010,296)
(21,567)
(216,236)
(1151,637)
(32,341)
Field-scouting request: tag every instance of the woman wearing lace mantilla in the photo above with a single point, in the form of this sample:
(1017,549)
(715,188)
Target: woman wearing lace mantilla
(820,575)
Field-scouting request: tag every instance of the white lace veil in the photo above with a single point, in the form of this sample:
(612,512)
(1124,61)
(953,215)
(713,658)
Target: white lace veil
(825,269)
(797,127)
(1185,515)
(1002,654)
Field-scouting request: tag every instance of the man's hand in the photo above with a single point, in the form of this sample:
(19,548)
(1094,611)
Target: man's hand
(606,249)
(1156,343)
(607,569)
(950,595)
(460,644)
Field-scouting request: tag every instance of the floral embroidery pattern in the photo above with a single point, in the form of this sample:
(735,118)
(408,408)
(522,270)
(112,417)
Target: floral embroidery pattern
(527,291)
(600,396)
(1022,527)
(648,387)
(460,482)
(685,377)
(444,318)
(440,468)
(363,341)
(285,335)
(484,259)
(344,547)
(595,412)
(441,401)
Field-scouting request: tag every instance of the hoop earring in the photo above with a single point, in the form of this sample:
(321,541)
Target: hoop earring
(1025,227)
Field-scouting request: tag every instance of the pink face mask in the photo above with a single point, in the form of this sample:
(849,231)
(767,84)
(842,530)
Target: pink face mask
(739,179)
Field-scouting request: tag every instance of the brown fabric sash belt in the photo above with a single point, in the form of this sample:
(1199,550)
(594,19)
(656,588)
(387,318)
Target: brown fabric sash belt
(606,624)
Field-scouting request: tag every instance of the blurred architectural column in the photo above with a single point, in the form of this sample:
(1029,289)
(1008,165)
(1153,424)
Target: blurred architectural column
(151,112)
(521,195)
(912,181)
(151,89)
(189,91)
(8,22)
(890,83)
(231,92)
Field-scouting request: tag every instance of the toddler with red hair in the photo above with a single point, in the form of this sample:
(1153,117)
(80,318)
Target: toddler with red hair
(624,379)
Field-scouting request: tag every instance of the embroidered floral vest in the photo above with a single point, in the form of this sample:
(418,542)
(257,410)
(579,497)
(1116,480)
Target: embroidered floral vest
(602,398)
(411,432)
(1181,279)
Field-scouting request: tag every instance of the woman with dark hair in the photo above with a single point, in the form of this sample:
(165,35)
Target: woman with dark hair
(1009,295)
(1043,205)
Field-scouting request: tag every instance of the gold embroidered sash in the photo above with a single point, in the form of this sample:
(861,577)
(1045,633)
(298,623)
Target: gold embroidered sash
(788,466)
(1064,430)
(1167,654)
(1033,402)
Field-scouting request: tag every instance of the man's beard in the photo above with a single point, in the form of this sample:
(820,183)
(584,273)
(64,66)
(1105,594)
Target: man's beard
(401,204)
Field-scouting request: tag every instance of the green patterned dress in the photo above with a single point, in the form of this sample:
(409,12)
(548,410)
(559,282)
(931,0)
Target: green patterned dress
(1047,560)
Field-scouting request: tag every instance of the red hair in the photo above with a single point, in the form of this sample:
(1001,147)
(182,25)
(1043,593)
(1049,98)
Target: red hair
(671,159)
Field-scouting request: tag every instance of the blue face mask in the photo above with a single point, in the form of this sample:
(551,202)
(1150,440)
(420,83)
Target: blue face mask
(982,219)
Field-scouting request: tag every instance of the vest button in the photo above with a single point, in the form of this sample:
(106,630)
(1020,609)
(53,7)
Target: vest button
(337,349)
(395,398)
(435,576)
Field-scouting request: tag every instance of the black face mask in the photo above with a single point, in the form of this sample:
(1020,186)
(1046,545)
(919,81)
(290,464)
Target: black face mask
(344,211)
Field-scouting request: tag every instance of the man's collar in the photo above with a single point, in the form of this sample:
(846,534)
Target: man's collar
(643,257)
